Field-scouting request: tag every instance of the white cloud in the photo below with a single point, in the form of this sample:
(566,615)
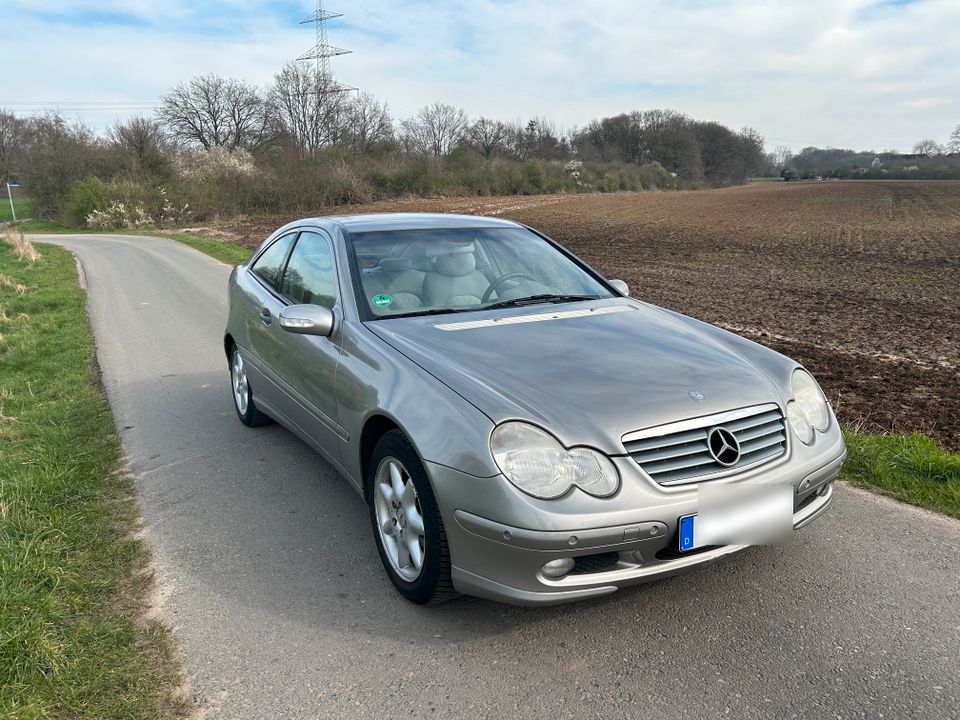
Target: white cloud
(854,73)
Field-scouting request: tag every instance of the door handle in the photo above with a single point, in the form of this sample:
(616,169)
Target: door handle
(265,317)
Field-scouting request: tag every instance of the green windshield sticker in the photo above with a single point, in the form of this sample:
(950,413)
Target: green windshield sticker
(382,300)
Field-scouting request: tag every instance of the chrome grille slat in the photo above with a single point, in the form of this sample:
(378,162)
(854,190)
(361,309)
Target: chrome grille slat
(672,451)
(753,421)
(759,431)
(702,458)
(665,441)
(760,443)
(679,453)
(757,455)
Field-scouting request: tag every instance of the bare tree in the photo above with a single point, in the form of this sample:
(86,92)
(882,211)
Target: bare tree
(487,136)
(310,106)
(435,129)
(780,156)
(13,138)
(58,153)
(212,111)
(930,148)
(667,137)
(367,123)
(142,142)
(953,144)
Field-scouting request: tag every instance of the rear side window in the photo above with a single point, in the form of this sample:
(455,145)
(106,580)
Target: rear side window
(310,277)
(268,265)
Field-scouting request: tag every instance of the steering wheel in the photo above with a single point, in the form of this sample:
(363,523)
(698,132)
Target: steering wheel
(500,281)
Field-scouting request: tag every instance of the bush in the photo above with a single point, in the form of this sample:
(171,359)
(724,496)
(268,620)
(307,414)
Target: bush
(654,176)
(534,176)
(85,197)
(134,203)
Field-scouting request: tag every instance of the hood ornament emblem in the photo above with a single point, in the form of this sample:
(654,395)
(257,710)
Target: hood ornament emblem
(696,395)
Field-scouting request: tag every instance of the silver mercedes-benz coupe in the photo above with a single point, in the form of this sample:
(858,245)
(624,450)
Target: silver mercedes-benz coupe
(520,428)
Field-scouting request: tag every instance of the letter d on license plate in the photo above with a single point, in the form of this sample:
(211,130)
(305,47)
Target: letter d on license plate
(744,513)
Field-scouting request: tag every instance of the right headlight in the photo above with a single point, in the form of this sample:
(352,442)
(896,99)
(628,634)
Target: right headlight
(808,410)
(535,462)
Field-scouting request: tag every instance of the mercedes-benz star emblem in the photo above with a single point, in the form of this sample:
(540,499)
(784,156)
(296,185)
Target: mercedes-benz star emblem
(696,395)
(723,446)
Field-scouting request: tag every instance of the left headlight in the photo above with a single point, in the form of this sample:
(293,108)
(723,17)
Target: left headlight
(537,463)
(808,410)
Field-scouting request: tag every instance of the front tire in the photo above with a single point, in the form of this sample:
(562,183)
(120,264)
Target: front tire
(242,394)
(406,522)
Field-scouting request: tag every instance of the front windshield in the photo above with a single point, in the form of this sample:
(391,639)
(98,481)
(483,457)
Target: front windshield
(414,272)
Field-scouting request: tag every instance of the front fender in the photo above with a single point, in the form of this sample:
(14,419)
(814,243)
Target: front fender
(375,379)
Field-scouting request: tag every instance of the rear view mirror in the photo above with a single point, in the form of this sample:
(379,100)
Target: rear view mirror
(307,320)
(620,286)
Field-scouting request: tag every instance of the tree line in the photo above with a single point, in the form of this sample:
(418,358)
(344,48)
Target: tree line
(220,146)
(929,160)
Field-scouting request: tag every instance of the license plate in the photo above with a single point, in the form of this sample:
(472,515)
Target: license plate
(748,513)
(685,542)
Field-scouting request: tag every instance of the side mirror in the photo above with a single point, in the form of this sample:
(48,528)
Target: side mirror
(620,286)
(307,320)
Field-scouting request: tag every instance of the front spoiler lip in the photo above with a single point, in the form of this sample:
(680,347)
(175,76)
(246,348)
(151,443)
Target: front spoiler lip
(578,587)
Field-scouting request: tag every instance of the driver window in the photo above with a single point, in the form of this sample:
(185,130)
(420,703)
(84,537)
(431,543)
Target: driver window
(310,278)
(267,267)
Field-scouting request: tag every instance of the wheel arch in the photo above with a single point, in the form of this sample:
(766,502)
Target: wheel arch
(374,428)
(228,345)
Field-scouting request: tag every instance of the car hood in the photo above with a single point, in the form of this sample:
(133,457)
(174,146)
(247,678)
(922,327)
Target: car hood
(589,372)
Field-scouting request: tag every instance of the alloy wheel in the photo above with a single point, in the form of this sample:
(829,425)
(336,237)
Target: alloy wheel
(399,518)
(241,390)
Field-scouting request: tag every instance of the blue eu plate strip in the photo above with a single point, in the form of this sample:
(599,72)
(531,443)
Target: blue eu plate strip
(686,533)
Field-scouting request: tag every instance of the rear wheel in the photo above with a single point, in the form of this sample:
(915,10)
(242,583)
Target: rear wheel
(242,394)
(406,522)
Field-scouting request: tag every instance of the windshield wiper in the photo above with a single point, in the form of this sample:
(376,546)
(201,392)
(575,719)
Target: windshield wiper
(538,299)
(417,313)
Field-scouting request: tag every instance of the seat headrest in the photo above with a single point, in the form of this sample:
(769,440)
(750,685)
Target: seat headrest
(447,247)
(395,264)
(456,265)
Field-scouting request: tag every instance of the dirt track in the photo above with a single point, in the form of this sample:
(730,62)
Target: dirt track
(857,280)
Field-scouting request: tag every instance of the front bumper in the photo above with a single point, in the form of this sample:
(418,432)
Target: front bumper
(504,563)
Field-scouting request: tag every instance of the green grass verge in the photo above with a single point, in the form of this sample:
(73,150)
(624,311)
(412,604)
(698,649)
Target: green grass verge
(42,226)
(912,468)
(73,639)
(23,205)
(219,249)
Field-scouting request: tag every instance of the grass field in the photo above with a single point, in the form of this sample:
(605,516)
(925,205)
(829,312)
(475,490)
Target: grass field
(74,641)
(21,205)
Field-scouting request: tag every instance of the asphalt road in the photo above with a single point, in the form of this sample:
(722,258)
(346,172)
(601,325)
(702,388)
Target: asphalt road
(268,574)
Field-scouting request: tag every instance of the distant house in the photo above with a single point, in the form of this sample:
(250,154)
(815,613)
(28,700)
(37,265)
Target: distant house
(876,163)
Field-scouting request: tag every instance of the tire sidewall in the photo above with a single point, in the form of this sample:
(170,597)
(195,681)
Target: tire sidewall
(422,590)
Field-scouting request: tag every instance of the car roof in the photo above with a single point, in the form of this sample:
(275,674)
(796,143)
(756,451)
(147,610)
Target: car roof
(375,222)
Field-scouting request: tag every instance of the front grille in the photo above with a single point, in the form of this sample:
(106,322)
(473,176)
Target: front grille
(678,452)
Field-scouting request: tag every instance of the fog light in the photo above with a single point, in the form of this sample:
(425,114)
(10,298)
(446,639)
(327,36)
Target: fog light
(557,568)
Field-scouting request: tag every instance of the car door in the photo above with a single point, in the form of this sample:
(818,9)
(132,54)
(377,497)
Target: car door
(260,319)
(306,365)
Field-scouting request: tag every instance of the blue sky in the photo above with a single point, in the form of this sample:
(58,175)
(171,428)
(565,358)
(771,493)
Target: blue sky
(877,74)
